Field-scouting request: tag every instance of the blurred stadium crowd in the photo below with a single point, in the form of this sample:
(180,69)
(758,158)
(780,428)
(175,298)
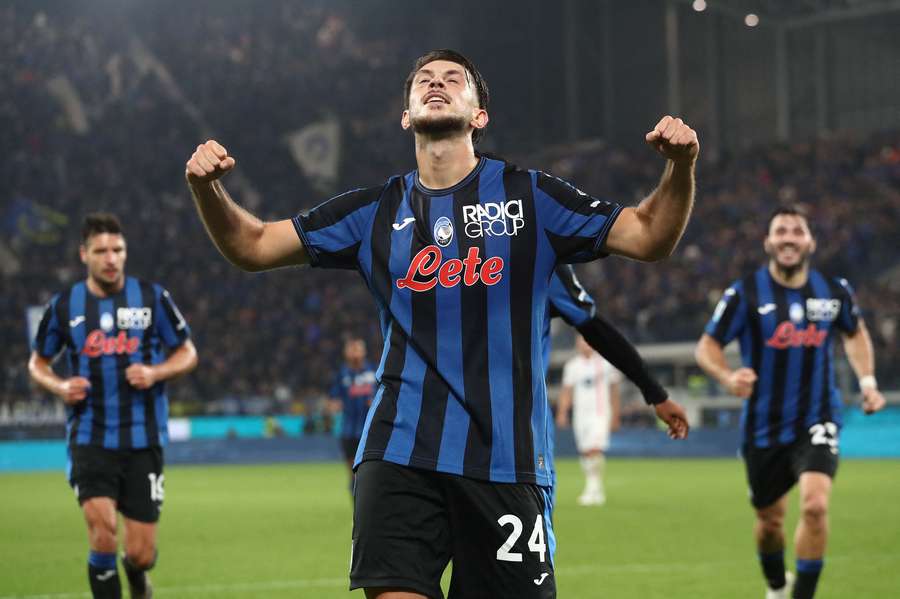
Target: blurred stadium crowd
(93,117)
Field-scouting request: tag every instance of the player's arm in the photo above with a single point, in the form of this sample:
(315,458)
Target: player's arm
(651,230)
(861,355)
(71,390)
(180,361)
(245,240)
(564,406)
(615,404)
(710,356)
(607,341)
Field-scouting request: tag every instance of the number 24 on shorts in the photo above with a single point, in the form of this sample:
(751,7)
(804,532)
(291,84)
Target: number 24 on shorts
(535,542)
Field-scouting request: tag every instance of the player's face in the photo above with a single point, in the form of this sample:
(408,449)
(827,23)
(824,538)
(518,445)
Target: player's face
(104,255)
(582,347)
(355,351)
(789,242)
(443,101)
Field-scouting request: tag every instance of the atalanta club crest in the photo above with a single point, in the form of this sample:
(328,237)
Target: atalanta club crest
(443,231)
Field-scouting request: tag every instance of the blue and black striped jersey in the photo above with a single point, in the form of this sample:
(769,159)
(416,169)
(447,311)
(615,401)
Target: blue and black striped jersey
(786,338)
(355,389)
(461,278)
(102,337)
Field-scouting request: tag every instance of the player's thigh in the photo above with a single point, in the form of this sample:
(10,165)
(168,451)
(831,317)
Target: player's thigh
(100,517)
(143,485)
(770,474)
(401,530)
(503,540)
(94,472)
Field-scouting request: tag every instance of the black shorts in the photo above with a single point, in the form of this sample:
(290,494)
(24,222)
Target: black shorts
(133,478)
(409,523)
(772,471)
(348,447)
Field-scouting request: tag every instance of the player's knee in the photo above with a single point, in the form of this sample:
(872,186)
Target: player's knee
(814,508)
(771,523)
(142,557)
(772,526)
(101,529)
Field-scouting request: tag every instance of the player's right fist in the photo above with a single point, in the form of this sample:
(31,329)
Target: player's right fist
(74,389)
(740,382)
(209,162)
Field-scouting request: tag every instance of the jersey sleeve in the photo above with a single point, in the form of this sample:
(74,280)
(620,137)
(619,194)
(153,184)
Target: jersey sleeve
(171,326)
(576,223)
(333,231)
(49,339)
(568,298)
(848,319)
(730,316)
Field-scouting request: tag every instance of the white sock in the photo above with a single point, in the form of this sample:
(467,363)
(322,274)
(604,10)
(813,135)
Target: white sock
(590,465)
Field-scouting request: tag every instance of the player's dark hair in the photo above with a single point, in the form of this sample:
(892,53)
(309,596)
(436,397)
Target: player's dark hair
(481,86)
(792,210)
(99,222)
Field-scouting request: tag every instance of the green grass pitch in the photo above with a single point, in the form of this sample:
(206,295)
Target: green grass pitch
(670,529)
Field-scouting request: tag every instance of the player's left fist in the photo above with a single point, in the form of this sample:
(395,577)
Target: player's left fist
(675,140)
(140,376)
(873,400)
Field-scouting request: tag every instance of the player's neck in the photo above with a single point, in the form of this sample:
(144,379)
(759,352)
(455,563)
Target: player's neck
(99,289)
(793,278)
(443,163)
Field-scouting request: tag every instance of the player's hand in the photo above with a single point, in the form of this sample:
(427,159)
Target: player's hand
(740,382)
(209,162)
(562,420)
(674,140)
(74,389)
(140,376)
(873,400)
(673,415)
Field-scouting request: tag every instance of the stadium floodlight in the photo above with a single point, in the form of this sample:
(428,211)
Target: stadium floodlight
(699,5)
(751,20)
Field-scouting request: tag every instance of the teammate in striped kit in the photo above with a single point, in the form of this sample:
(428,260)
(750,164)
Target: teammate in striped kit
(787,316)
(351,395)
(115,331)
(458,254)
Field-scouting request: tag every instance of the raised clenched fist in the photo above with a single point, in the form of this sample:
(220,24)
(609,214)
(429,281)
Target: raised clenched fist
(675,140)
(209,162)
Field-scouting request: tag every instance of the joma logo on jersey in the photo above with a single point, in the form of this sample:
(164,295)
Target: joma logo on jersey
(99,344)
(426,271)
(134,318)
(493,219)
(822,309)
(788,335)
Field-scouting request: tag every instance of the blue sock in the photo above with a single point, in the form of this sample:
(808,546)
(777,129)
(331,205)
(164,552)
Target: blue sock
(103,575)
(773,568)
(808,571)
